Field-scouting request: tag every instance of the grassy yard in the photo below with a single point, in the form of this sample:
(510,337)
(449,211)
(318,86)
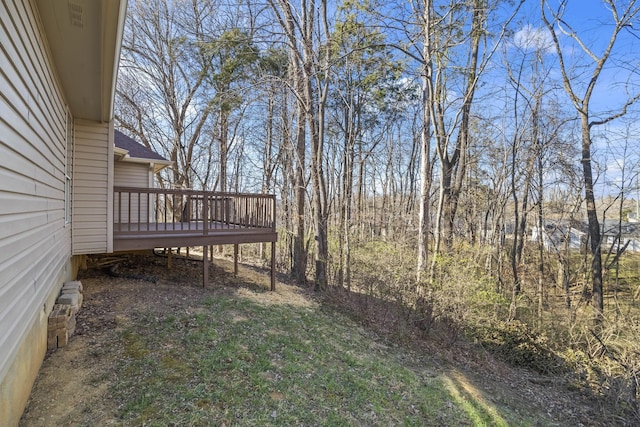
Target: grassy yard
(171,353)
(233,361)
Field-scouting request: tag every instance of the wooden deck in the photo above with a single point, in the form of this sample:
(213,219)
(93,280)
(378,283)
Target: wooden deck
(128,237)
(148,218)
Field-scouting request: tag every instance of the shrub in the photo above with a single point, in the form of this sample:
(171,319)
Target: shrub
(516,343)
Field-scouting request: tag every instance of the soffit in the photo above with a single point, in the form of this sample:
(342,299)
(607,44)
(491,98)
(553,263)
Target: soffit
(84,38)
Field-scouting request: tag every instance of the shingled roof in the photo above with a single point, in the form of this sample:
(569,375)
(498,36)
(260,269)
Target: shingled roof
(134,148)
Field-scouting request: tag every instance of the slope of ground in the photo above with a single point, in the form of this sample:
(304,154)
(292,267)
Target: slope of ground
(154,348)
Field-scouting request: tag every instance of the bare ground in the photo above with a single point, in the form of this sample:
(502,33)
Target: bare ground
(73,387)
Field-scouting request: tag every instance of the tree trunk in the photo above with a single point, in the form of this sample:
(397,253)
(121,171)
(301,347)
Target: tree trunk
(454,164)
(540,223)
(224,136)
(299,247)
(347,199)
(315,100)
(425,142)
(593,223)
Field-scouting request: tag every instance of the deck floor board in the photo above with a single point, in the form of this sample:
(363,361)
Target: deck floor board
(133,236)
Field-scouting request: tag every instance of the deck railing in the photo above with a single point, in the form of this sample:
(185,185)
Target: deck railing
(161,211)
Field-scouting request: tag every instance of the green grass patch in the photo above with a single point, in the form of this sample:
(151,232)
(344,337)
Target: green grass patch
(230,361)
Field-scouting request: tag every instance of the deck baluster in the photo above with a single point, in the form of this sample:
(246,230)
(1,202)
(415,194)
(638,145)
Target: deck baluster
(129,212)
(205,215)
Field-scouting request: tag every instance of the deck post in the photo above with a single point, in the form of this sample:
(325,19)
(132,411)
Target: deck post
(273,266)
(205,266)
(235,260)
(169,259)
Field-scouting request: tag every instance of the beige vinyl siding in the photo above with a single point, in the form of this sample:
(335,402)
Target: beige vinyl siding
(92,188)
(35,245)
(129,174)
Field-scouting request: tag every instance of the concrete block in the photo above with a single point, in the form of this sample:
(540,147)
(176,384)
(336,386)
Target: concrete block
(68,299)
(58,338)
(52,341)
(76,284)
(71,326)
(63,339)
(62,320)
(60,310)
(59,314)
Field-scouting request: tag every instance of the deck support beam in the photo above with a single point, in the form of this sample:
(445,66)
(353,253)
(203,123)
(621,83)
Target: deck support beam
(273,266)
(235,260)
(205,266)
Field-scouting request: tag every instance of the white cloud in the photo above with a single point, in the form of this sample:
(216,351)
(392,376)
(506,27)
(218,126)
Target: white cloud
(534,38)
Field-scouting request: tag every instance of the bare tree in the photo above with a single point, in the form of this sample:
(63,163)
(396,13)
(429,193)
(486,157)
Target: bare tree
(362,101)
(580,87)
(451,120)
(162,80)
(302,31)
(426,164)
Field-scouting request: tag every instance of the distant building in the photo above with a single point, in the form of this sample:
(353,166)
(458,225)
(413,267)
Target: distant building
(629,233)
(556,235)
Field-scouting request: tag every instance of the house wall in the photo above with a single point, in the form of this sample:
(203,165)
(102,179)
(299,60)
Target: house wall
(35,243)
(130,174)
(92,218)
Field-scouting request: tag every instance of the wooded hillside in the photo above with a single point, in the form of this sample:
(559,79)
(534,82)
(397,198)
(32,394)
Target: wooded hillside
(472,162)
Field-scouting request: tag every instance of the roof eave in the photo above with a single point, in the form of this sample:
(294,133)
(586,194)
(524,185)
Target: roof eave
(84,40)
(157,164)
